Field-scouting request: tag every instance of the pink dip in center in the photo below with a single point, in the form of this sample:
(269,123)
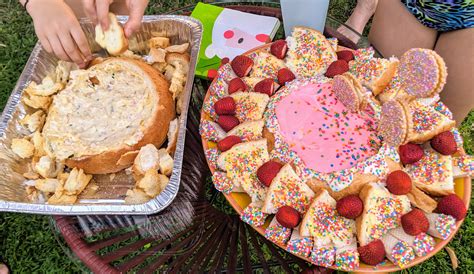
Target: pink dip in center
(324,134)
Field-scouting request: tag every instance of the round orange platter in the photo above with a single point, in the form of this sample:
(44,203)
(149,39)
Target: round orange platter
(239,201)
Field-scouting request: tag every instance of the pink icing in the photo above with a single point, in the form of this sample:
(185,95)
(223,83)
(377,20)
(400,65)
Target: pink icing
(322,132)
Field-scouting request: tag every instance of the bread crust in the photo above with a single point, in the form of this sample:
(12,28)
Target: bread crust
(155,133)
(379,85)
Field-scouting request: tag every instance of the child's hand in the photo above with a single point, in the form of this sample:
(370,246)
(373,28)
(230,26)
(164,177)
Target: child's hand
(59,31)
(98,10)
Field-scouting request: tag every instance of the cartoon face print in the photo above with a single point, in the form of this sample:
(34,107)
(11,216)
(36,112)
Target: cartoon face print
(237,38)
(232,36)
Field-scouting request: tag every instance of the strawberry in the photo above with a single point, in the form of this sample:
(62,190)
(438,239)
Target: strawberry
(279,48)
(350,206)
(242,65)
(410,153)
(285,75)
(227,122)
(235,85)
(225,60)
(288,216)
(372,253)
(265,86)
(225,106)
(415,222)
(337,67)
(452,205)
(268,171)
(345,55)
(398,182)
(228,142)
(444,143)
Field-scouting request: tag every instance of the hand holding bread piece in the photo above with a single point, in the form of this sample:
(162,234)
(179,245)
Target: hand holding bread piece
(113,39)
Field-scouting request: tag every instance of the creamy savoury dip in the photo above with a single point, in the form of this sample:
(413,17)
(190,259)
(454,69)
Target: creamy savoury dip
(101,109)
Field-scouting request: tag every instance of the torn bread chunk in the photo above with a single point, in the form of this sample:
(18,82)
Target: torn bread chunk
(136,196)
(47,87)
(60,197)
(76,182)
(36,101)
(38,142)
(45,167)
(63,70)
(147,159)
(152,182)
(113,39)
(172,137)
(47,185)
(156,55)
(23,148)
(182,48)
(166,162)
(35,121)
(158,43)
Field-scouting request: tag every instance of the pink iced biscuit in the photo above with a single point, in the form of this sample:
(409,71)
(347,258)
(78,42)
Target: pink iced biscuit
(320,129)
(421,72)
(346,93)
(393,123)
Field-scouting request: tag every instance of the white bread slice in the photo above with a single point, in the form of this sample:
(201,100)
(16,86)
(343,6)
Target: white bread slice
(248,131)
(113,39)
(397,251)
(433,173)
(299,245)
(250,106)
(138,113)
(421,243)
(463,166)
(382,212)
(426,122)
(374,73)
(322,222)
(309,52)
(287,189)
(266,65)
(441,225)
(421,200)
(241,163)
(251,82)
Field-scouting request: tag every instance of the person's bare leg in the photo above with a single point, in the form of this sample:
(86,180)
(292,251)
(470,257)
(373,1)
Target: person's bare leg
(358,19)
(395,30)
(456,49)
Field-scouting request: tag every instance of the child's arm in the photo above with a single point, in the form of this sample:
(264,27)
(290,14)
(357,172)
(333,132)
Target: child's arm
(58,30)
(97,10)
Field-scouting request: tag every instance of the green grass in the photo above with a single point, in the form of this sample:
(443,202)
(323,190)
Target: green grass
(26,241)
